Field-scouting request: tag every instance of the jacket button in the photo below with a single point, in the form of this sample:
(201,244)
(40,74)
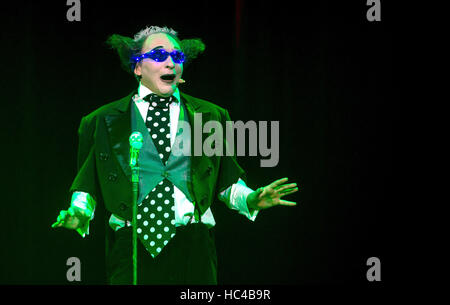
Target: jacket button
(123,206)
(208,170)
(103,156)
(112,177)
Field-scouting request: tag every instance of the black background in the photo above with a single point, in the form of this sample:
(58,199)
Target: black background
(319,68)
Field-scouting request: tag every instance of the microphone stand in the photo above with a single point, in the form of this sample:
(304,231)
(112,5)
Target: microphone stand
(136,142)
(135,182)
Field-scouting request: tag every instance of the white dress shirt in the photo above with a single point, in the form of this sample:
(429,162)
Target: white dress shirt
(235,196)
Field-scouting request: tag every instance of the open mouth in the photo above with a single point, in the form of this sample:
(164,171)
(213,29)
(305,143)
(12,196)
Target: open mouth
(168,77)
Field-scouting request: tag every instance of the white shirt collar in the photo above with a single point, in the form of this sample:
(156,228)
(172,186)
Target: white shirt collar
(143,91)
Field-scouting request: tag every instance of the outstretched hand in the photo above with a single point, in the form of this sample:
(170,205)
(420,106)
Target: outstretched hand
(70,219)
(270,195)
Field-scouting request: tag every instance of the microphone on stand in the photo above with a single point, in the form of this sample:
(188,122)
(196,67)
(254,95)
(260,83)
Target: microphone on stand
(136,142)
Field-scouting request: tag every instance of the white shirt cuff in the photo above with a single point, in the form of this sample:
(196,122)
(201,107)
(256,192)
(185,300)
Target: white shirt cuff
(84,204)
(235,197)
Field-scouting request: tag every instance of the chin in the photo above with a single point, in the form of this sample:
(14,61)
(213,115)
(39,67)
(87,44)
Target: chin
(166,88)
(166,91)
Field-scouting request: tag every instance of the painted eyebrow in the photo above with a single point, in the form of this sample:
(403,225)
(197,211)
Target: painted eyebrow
(159,47)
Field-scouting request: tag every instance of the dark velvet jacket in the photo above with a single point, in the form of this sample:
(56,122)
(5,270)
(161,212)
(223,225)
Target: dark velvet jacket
(103,157)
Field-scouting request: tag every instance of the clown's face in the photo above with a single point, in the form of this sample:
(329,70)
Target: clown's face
(161,78)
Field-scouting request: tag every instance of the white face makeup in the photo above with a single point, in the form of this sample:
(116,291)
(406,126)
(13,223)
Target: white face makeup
(161,78)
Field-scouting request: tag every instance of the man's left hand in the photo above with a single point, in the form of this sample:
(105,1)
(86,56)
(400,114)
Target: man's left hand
(270,195)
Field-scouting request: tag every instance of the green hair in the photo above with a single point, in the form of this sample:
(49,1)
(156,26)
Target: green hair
(128,48)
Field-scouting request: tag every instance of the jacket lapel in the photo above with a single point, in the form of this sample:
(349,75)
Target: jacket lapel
(192,108)
(119,127)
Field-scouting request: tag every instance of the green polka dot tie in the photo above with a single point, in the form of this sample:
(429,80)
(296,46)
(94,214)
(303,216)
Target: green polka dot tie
(156,216)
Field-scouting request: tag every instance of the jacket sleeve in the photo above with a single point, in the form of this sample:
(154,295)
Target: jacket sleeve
(86,178)
(85,141)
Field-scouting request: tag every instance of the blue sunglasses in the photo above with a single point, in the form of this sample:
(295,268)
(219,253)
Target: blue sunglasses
(160,55)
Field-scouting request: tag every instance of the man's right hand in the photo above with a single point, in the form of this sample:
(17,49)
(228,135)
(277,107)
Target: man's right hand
(70,219)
